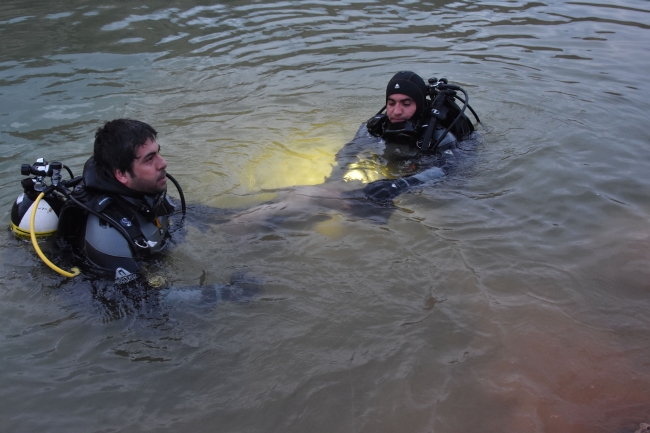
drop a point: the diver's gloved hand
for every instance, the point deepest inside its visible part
(387, 189)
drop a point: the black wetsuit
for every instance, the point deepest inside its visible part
(112, 226)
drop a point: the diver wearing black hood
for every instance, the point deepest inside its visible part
(420, 127)
(411, 107)
(119, 213)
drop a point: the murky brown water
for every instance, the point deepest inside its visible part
(511, 296)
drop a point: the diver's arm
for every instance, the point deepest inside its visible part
(387, 189)
(349, 153)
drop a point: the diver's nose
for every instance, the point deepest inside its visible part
(162, 164)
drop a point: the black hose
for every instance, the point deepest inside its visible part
(180, 192)
(69, 171)
(460, 114)
(72, 182)
(63, 189)
(102, 217)
(433, 121)
(470, 108)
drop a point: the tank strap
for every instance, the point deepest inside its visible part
(127, 219)
(121, 215)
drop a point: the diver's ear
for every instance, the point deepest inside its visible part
(122, 177)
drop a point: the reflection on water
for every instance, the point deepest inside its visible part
(511, 295)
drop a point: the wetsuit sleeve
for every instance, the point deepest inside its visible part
(384, 190)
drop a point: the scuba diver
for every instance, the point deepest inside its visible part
(120, 212)
(115, 217)
(115, 214)
(419, 131)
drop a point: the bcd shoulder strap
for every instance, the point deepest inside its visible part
(125, 217)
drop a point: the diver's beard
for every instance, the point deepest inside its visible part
(148, 188)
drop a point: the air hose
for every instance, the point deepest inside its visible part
(74, 271)
(180, 192)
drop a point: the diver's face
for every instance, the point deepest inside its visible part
(400, 108)
(148, 170)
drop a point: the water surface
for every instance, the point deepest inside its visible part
(510, 296)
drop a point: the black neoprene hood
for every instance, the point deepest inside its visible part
(410, 84)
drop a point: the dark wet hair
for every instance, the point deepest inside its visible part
(117, 142)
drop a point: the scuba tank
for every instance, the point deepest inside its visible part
(41, 202)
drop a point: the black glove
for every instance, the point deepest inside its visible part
(387, 189)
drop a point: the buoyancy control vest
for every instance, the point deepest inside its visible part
(112, 226)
